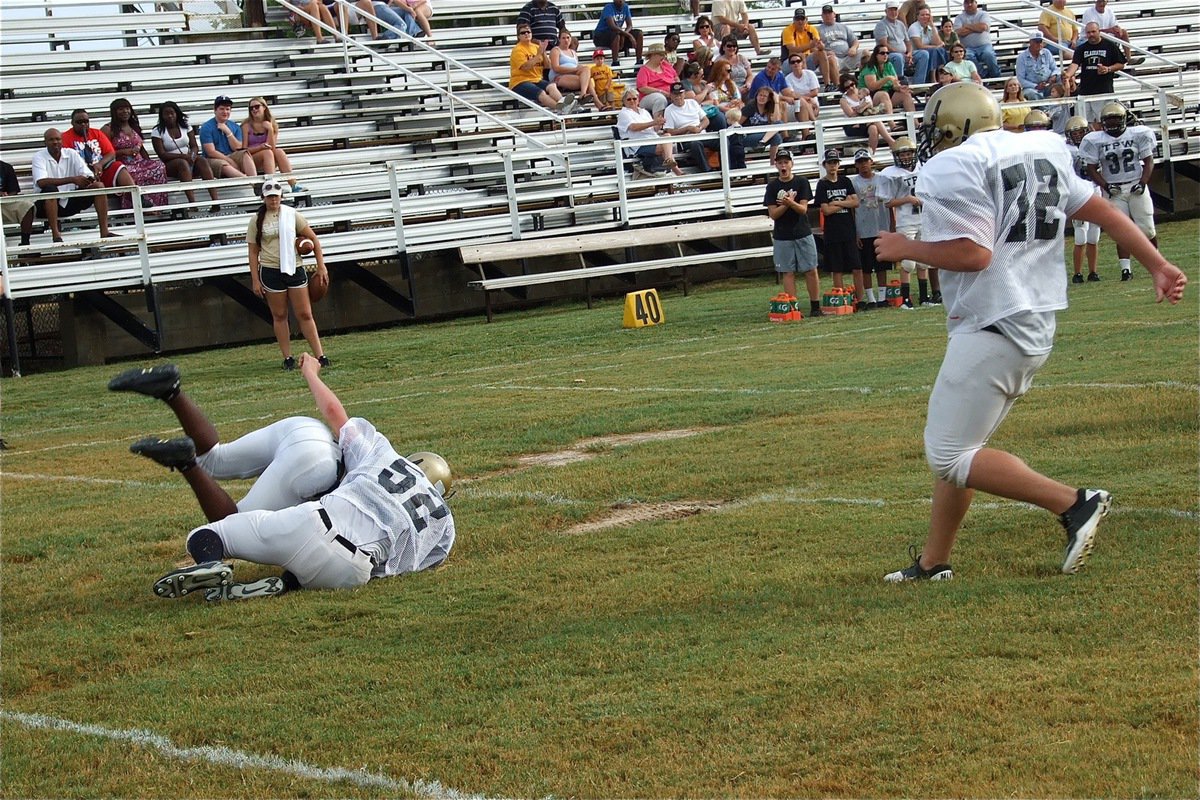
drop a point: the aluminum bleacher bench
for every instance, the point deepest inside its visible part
(483, 255)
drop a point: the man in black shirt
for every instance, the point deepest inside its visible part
(1097, 61)
(15, 211)
(545, 19)
(836, 199)
(787, 199)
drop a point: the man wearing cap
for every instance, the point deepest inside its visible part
(787, 198)
(732, 19)
(60, 170)
(893, 33)
(615, 30)
(685, 116)
(974, 29)
(1057, 26)
(840, 41)
(1037, 70)
(836, 198)
(221, 142)
(607, 89)
(800, 38)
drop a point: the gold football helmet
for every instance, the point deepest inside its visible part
(1037, 120)
(436, 470)
(955, 112)
(905, 152)
(1112, 118)
(1077, 128)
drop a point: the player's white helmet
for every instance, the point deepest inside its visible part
(1112, 118)
(1077, 128)
(955, 112)
(905, 152)
(1037, 120)
(436, 470)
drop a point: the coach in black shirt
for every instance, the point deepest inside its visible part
(1096, 61)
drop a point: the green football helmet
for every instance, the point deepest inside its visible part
(955, 112)
(436, 470)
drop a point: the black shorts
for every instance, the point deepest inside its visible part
(74, 206)
(866, 257)
(841, 257)
(856, 131)
(605, 38)
(275, 281)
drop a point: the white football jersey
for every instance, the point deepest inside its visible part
(387, 506)
(1119, 158)
(1012, 194)
(901, 183)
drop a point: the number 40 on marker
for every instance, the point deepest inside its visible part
(642, 309)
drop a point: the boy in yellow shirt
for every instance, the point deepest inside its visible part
(607, 90)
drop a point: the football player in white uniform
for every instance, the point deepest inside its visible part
(1120, 159)
(1087, 234)
(387, 516)
(899, 193)
(294, 459)
(995, 208)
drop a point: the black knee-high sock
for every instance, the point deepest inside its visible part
(205, 545)
(905, 291)
(923, 283)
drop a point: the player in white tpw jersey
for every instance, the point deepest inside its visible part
(1087, 234)
(1120, 159)
(387, 516)
(898, 191)
(995, 208)
(294, 459)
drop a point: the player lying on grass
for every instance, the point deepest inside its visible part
(386, 517)
(995, 205)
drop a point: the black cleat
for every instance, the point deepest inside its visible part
(1080, 521)
(1093, 277)
(915, 572)
(323, 361)
(1077, 279)
(161, 382)
(209, 575)
(174, 453)
(289, 363)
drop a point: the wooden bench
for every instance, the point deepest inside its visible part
(483, 255)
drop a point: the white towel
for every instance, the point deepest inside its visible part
(287, 240)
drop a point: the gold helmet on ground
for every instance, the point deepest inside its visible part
(1077, 128)
(1036, 120)
(955, 112)
(436, 470)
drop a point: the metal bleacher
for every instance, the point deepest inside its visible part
(405, 148)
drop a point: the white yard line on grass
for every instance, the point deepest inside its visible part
(95, 481)
(236, 758)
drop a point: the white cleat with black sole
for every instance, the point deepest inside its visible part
(209, 575)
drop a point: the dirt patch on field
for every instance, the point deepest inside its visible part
(625, 514)
(587, 448)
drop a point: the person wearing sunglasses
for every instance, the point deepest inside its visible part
(740, 70)
(527, 64)
(260, 132)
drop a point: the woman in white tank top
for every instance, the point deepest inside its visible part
(175, 145)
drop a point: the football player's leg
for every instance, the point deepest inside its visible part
(214, 501)
(193, 421)
(305, 466)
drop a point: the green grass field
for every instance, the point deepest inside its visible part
(667, 577)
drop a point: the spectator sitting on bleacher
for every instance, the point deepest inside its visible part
(698, 89)
(685, 116)
(348, 15)
(654, 80)
(1037, 70)
(1096, 62)
(892, 33)
(97, 152)
(949, 37)
(568, 74)
(1060, 34)
(771, 77)
(762, 109)
(840, 42)
(221, 143)
(924, 38)
(725, 92)
(635, 122)
(732, 19)
(801, 92)
(1013, 110)
(801, 38)
(858, 103)
(604, 79)
(175, 145)
(959, 67)
(974, 28)
(704, 36)
(527, 63)
(420, 11)
(316, 9)
(15, 212)
(1107, 20)
(59, 170)
(399, 17)
(260, 133)
(544, 19)
(615, 31)
(740, 71)
(672, 55)
(879, 76)
(125, 133)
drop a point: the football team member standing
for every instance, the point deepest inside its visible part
(871, 217)
(387, 517)
(899, 195)
(275, 271)
(836, 198)
(1120, 159)
(294, 459)
(1087, 234)
(787, 200)
(995, 207)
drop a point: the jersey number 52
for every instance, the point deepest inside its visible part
(399, 478)
(1044, 227)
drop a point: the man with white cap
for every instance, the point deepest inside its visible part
(840, 41)
(1037, 70)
